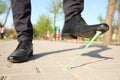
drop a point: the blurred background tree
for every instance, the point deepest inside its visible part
(118, 10)
(43, 25)
(56, 8)
(3, 7)
(108, 20)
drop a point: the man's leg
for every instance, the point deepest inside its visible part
(21, 15)
(74, 25)
(72, 7)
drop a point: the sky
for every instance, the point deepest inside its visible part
(92, 9)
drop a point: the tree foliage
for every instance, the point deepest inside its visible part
(55, 9)
(43, 25)
(100, 18)
(3, 6)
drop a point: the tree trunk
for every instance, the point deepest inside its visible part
(6, 16)
(54, 26)
(118, 35)
(108, 20)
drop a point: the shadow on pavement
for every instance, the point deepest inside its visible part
(36, 56)
(89, 63)
(94, 53)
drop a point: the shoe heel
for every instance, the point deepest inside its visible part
(68, 36)
(31, 54)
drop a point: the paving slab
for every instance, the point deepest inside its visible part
(50, 57)
(56, 76)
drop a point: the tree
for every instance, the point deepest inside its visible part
(55, 9)
(7, 14)
(100, 18)
(43, 25)
(108, 20)
(3, 7)
(118, 10)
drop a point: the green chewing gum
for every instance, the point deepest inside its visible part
(68, 67)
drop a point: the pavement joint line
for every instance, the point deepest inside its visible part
(9, 64)
(20, 74)
(3, 77)
(37, 69)
(75, 75)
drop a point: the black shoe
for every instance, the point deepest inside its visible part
(23, 51)
(77, 27)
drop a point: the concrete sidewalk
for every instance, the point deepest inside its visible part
(98, 63)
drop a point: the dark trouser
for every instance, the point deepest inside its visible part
(72, 7)
(21, 16)
(22, 12)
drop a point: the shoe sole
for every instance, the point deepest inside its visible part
(68, 36)
(87, 34)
